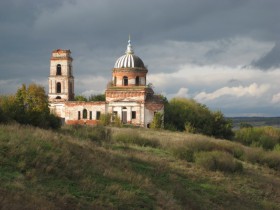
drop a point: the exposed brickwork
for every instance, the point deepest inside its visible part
(128, 97)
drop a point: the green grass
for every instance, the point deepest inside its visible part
(124, 168)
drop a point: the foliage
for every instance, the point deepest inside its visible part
(265, 137)
(66, 169)
(135, 138)
(96, 134)
(245, 125)
(105, 119)
(217, 160)
(184, 153)
(98, 97)
(29, 106)
(80, 98)
(186, 114)
(157, 121)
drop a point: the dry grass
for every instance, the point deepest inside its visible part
(70, 169)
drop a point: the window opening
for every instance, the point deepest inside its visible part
(98, 115)
(125, 81)
(79, 115)
(133, 114)
(84, 114)
(137, 81)
(58, 69)
(115, 81)
(58, 87)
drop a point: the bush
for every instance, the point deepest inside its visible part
(202, 145)
(157, 121)
(217, 160)
(188, 115)
(254, 155)
(265, 137)
(183, 153)
(277, 148)
(272, 160)
(97, 133)
(135, 138)
(105, 119)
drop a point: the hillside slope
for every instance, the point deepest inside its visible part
(97, 168)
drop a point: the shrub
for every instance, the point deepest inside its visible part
(97, 133)
(277, 148)
(135, 138)
(254, 155)
(202, 145)
(272, 160)
(265, 137)
(217, 160)
(183, 153)
(157, 121)
(105, 119)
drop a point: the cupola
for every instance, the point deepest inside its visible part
(129, 69)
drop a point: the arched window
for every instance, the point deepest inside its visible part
(79, 115)
(58, 97)
(125, 81)
(115, 81)
(137, 81)
(58, 69)
(58, 87)
(84, 114)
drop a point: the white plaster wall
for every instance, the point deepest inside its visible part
(130, 106)
(142, 81)
(149, 115)
(131, 81)
(72, 111)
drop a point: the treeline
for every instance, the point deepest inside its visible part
(28, 106)
(183, 114)
(97, 97)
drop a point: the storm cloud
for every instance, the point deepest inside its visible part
(191, 47)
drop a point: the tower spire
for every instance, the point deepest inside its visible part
(129, 49)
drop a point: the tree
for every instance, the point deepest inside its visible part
(98, 97)
(157, 121)
(187, 115)
(80, 98)
(29, 106)
(222, 127)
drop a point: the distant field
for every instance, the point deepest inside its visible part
(256, 121)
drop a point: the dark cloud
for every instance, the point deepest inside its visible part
(271, 60)
(96, 32)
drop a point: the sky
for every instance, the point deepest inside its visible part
(222, 53)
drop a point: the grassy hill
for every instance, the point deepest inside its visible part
(123, 168)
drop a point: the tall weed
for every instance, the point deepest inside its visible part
(218, 161)
(134, 138)
(265, 137)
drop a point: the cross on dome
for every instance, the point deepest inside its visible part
(129, 49)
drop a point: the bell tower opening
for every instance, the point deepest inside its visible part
(58, 87)
(58, 69)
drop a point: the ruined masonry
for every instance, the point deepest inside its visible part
(128, 96)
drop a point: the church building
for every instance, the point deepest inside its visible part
(127, 96)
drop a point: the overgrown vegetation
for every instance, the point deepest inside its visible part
(80, 167)
(187, 115)
(28, 106)
(266, 137)
(97, 97)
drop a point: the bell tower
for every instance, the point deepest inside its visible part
(61, 80)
